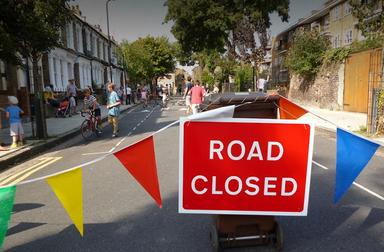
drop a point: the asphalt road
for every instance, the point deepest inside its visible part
(120, 216)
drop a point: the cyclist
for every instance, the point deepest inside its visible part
(90, 103)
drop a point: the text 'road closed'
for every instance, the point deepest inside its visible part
(245, 166)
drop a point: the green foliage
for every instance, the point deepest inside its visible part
(31, 27)
(339, 54)
(369, 43)
(336, 55)
(243, 77)
(148, 57)
(370, 17)
(206, 24)
(207, 78)
(306, 55)
(380, 114)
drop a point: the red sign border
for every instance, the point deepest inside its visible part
(304, 212)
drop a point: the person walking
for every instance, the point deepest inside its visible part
(13, 112)
(261, 84)
(197, 93)
(187, 96)
(113, 109)
(128, 91)
(72, 92)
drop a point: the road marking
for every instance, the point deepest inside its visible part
(20, 176)
(320, 165)
(356, 184)
(368, 191)
(95, 153)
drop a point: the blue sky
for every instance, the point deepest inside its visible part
(131, 19)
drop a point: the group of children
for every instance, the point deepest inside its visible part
(13, 113)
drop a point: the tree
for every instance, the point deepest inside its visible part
(149, 58)
(224, 25)
(370, 21)
(33, 28)
(306, 54)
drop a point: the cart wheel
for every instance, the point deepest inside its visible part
(214, 238)
(279, 242)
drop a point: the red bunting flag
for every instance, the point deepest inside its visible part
(139, 159)
(289, 110)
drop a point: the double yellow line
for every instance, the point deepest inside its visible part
(13, 179)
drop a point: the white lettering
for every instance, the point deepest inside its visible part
(268, 186)
(239, 185)
(213, 150)
(214, 191)
(255, 146)
(251, 185)
(281, 151)
(229, 150)
(193, 184)
(283, 183)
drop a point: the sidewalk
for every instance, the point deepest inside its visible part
(59, 129)
(351, 121)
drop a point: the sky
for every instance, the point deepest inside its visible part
(131, 19)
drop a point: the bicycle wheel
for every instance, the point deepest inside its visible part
(86, 130)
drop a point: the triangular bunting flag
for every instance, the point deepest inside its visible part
(289, 110)
(139, 159)
(68, 188)
(222, 112)
(352, 155)
(7, 195)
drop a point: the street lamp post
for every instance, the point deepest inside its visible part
(109, 41)
(253, 75)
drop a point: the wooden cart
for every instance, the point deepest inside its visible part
(246, 230)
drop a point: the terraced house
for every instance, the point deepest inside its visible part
(349, 86)
(83, 57)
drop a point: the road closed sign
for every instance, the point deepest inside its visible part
(245, 166)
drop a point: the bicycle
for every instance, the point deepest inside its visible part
(89, 126)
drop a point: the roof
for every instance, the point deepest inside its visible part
(314, 16)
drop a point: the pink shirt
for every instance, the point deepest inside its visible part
(197, 94)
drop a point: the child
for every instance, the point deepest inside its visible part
(113, 109)
(90, 103)
(13, 114)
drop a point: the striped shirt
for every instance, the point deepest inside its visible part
(89, 101)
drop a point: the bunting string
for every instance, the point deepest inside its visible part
(328, 121)
(257, 99)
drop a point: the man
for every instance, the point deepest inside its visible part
(197, 93)
(187, 96)
(72, 92)
(128, 92)
(261, 84)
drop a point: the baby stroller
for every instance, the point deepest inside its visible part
(63, 109)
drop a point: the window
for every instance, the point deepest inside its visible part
(336, 13)
(348, 37)
(55, 71)
(336, 41)
(3, 78)
(62, 73)
(347, 9)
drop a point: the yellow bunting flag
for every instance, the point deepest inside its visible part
(68, 188)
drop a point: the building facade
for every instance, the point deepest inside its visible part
(82, 57)
(334, 20)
